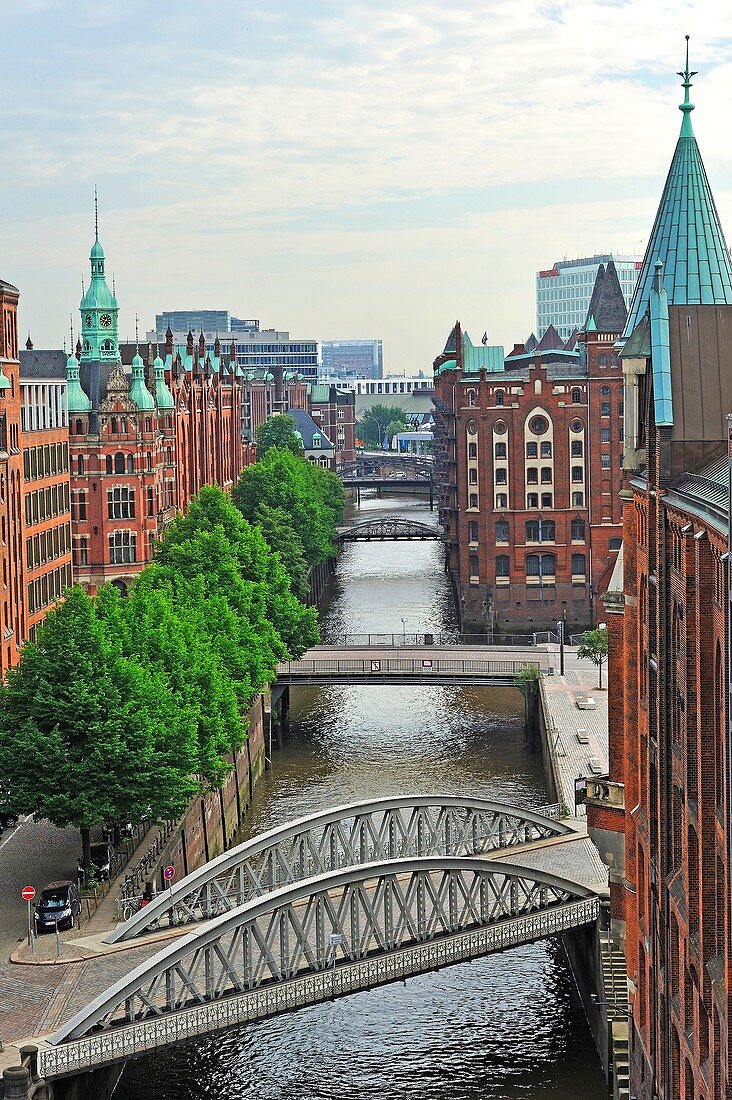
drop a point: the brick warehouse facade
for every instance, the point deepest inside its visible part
(527, 452)
(662, 817)
(35, 527)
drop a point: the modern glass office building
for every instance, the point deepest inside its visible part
(352, 359)
(563, 291)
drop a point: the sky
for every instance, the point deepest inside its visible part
(342, 169)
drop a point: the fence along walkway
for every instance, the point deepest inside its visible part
(399, 665)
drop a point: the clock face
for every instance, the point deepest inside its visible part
(88, 320)
(105, 320)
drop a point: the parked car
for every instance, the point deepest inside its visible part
(103, 857)
(8, 820)
(59, 905)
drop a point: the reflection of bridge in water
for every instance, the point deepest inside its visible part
(335, 903)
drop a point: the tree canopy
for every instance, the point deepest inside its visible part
(373, 426)
(278, 431)
(311, 497)
(594, 647)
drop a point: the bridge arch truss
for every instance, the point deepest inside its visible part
(335, 934)
(345, 836)
(391, 528)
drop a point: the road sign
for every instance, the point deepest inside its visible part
(169, 873)
(28, 893)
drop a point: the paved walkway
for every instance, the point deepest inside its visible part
(571, 758)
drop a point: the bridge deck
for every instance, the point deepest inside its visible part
(408, 664)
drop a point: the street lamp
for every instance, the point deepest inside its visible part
(379, 425)
(404, 630)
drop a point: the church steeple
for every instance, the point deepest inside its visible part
(98, 307)
(687, 237)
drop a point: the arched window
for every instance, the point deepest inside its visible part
(474, 565)
(473, 531)
(500, 397)
(502, 530)
(471, 397)
(123, 425)
(119, 463)
(473, 477)
(148, 424)
(472, 450)
(501, 500)
(604, 391)
(603, 360)
(473, 500)
(113, 425)
(80, 464)
(503, 565)
(169, 422)
(576, 397)
(130, 464)
(501, 476)
(79, 427)
(543, 566)
(578, 530)
(109, 464)
(500, 450)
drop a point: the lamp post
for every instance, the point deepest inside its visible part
(404, 630)
(379, 425)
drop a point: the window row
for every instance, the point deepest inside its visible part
(535, 530)
(47, 545)
(53, 458)
(48, 588)
(42, 504)
(537, 450)
(540, 566)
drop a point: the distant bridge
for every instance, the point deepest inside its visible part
(388, 528)
(339, 902)
(392, 472)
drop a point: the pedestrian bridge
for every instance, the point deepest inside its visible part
(388, 529)
(334, 904)
(393, 664)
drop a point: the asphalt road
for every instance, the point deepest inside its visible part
(32, 854)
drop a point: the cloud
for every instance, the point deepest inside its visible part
(278, 158)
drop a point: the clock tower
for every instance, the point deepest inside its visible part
(99, 309)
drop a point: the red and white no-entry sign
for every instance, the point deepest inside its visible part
(28, 893)
(169, 873)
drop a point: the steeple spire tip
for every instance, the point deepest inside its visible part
(687, 106)
(96, 214)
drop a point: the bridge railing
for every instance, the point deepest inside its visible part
(428, 638)
(407, 667)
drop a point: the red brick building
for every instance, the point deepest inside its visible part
(662, 817)
(527, 458)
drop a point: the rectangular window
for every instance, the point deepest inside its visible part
(546, 450)
(605, 462)
(501, 476)
(604, 435)
(120, 503)
(532, 450)
(546, 500)
(605, 408)
(500, 450)
(577, 448)
(532, 475)
(546, 475)
(578, 473)
(532, 500)
(122, 547)
(578, 500)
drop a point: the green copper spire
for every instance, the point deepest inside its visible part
(139, 393)
(687, 237)
(98, 307)
(77, 398)
(687, 106)
(163, 396)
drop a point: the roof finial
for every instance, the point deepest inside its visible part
(137, 333)
(96, 214)
(687, 106)
(71, 328)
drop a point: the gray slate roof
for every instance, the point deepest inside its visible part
(607, 305)
(43, 365)
(307, 429)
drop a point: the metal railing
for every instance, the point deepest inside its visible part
(407, 668)
(428, 638)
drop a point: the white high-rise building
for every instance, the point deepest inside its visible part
(563, 291)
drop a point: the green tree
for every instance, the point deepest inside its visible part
(373, 425)
(170, 637)
(265, 593)
(278, 431)
(395, 427)
(283, 539)
(595, 647)
(87, 735)
(311, 497)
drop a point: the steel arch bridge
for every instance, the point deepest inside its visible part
(345, 836)
(388, 528)
(352, 929)
(373, 466)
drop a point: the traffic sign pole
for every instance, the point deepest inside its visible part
(28, 893)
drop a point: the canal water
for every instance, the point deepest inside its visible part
(508, 1027)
